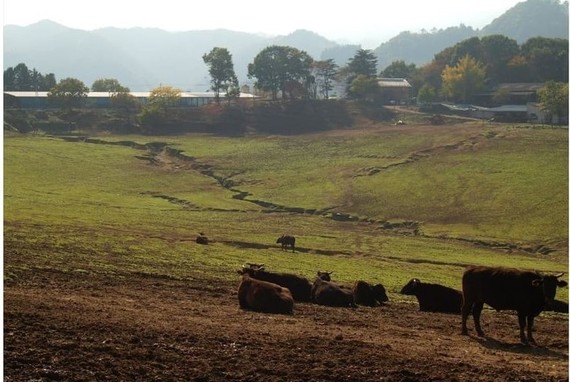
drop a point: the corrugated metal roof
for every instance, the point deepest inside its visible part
(516, 87)
(20, 94)
(394, 83)
(510, 108)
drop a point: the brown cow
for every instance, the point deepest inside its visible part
(202, 239)
(368, 295)
(299, 286)
(324, 292)
(286, 241)
(263, 296)
(558, 306)
(526, 292)
(434, 297)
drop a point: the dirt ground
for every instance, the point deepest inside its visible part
(79, 327)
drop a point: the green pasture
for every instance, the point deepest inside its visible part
(99, 208)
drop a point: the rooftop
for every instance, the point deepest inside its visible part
(394, 83)
(20, 94)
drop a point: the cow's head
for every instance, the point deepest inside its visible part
(549, 284)
(325, 276)
(410, 287)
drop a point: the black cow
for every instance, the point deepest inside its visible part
(286, 241)
(526, 292)
(202, 239)
(263, 296)
(299, 286)
(434, 297)
(558, 306)
(324, 292)
(368, 295)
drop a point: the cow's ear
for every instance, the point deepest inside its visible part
(561, 283)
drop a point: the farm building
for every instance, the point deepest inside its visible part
(395, 90)
(39, 100)
(509, 93)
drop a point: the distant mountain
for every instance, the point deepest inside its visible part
(532, 18)
(143, 58)
(53, 48)
(545, 18)
(419, 48)
(308, 41)
(176, 58)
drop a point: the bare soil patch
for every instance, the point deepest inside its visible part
(85, 327)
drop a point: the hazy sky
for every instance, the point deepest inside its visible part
(366, 22)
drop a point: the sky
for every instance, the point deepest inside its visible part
(364, 22)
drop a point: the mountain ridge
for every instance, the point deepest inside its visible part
(142, 58)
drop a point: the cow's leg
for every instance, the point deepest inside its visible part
(465, 310)
(529, 325)
(477, 308)
(522, 325)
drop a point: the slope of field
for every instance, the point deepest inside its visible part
(103, 279)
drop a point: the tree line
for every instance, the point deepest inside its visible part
(455, 74)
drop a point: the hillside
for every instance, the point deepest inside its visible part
(143, 58)
(103, 278)
(545, 18)
(419, 48)
(532, 18)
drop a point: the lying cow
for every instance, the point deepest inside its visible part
(558, 306)
(324, 292)
(434, 297)
(286, 241)
(263, 296)
(202, 239)
(299, 286)
(526, 292)
(368, 295)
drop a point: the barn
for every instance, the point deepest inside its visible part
(395, 91)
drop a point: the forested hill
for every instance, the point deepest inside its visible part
(532, 18)
(143, 58)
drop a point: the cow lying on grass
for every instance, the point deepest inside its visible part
(299, 286)
(434, 297)
(526, 292)
(324, 292)
(368, 295)
(558, 306)
(263, 296)
(202, 239)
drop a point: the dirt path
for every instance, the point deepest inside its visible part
(64, 327)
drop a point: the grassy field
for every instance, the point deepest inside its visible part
(471, 193)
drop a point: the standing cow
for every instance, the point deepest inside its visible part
(434, 297)
(263, 296)
(299, 286)
(526, 292)
(286, 241)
